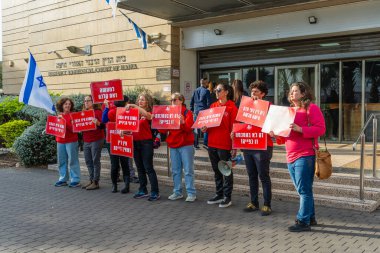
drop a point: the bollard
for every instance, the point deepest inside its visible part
(361, 192)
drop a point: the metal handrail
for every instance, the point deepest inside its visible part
(372, 117)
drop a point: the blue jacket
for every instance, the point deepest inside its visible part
(201, 100)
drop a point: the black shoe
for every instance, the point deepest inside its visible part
(197, 147)
(114, 188)
(313, 222)
(250, 208)
(299, 227)
(125, 190)
(215, 200)
(134, 180)
(226, 202)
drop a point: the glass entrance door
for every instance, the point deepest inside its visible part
(225, 77)
(286, 75)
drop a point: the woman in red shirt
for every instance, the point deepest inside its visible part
(220, 145)
(67, 148)
(180, 142)
(93, 144)
(143, 149)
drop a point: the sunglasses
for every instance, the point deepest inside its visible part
(87, 100)
(174, 99)
(218, 90)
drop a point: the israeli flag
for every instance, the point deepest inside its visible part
(113, 4)
(140, 34)
(34, 91)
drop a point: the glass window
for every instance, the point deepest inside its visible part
(330, 99)
(351, 99)
(266, 74)
(249, 76)
(372, 94)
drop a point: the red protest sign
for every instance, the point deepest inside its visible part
(127, 120)
(210, 118)
(83, 121)
(166, 117)
(252, 112)
(121, 145)
(111, 129)
(248, 137)
(56, 126)
(111, 90)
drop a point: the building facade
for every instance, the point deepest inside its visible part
(77, 42)
(332, 45)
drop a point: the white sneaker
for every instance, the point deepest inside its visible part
(191, 198)
(175, 196)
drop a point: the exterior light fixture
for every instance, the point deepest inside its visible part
(87, 50)
(154, 38)
(11, 63)
(313, 20)
(333, 44)
(218, 32)
(279, 49)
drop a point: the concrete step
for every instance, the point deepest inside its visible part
(322, 188)
(277, 194)
(283, 195)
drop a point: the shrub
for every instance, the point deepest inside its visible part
(11, 130)
(9, 106)
(132, 94)
(34, 148)
(34, 114)
(78, 101)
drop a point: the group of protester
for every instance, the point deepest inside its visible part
(300, 147)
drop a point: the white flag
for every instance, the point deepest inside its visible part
(34, 91)
(113, 4)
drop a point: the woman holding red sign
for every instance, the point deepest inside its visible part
(300, 145)
(180, 142)
(143, 149)
(257, 163)
(93, 144)
(109, 115)
(67, 148)
(219, 147)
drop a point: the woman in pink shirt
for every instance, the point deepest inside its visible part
(300, 145)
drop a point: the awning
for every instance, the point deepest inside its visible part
(195, 12)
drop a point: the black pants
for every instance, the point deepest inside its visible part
(116, 161)
(224, 185)
(257, 163)
(143, 156)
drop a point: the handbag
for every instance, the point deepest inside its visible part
(323, 164)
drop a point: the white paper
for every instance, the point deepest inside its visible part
(279, 119)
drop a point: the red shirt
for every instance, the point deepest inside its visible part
(184, 136)
(97, 134)
(144, 133)
(219, 137)
(70, 136)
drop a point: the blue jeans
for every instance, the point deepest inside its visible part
(68, 158)
(197, 133)
(257, 164)
(302, 174)
(183, 157)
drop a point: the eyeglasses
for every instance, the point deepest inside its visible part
(218, 90)
(174, 99)
(87, 100)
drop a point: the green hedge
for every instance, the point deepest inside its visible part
(35, 148)
(11, 130)
(9, 106)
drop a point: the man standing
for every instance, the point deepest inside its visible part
(200, 100)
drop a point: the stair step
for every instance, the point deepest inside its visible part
(283, 195)
(286, 184)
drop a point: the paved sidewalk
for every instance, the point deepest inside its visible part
(37, 217)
